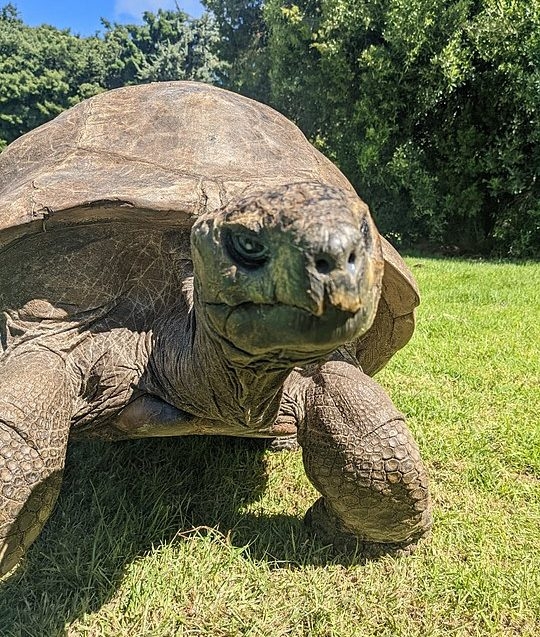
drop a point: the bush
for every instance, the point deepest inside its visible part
(429, 106)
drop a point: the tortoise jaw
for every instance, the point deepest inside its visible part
(290, 334)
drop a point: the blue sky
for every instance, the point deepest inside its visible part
(83, 16)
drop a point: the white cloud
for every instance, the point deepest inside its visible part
(135, 8)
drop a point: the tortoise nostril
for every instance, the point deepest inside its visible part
(351, 262)
(324, 265)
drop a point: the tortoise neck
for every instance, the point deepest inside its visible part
(244, 387)
(210, 378)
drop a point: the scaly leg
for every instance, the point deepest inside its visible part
(360, 456)
(36, 398)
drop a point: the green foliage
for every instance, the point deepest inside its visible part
(242, 45)
(169, 45)
(42, 72)
(188, 56)
(430, 107)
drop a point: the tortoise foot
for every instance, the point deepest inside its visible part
(327, 527)
(285, 443)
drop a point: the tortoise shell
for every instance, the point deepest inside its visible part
(165, 153)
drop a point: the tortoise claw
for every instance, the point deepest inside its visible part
(328, 529)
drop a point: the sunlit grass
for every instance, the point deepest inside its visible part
(202, 536)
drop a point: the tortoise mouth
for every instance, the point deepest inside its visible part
(287, 331)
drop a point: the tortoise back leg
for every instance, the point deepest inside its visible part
(360, 456)
(36, 398)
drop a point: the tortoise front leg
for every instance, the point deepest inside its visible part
(360, 455)
(36, 398)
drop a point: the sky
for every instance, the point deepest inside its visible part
(83, 16)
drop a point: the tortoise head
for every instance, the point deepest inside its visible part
(295, 271)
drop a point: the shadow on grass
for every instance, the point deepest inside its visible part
(120, 501)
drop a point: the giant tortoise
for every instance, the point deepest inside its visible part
(176, 259)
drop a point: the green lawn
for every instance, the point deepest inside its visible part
(174, 537)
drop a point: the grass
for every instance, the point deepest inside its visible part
(204, 537)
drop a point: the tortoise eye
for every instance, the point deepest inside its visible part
(245, 249)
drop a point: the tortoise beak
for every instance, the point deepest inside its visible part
(342, 271)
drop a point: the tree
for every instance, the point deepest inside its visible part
(169, 45)
(429, 106)
(42, 72)
(242, 46)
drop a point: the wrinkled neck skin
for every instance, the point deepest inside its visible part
(201, 373)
